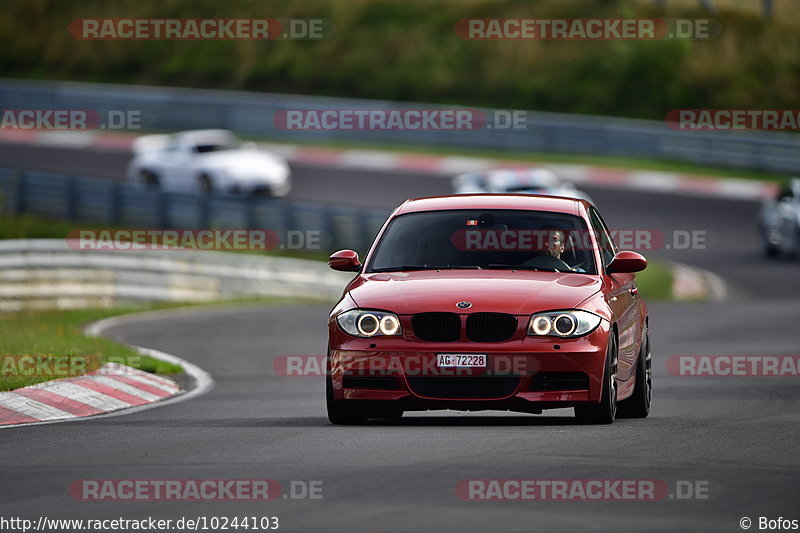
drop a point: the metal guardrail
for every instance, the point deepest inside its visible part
(249, 113)
(120, 204)
(47, 273)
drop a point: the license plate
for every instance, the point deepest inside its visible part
(461, 360)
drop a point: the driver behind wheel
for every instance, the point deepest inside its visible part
(555, 244)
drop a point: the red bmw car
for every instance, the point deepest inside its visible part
(502, 302)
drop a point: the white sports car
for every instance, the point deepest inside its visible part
(207, 161)
(779, 222)
(516, 180)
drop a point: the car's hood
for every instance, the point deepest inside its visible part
(520, 292)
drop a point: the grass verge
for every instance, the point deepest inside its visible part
(655, 282)
(58, 336)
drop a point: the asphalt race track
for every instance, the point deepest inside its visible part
(737, 435)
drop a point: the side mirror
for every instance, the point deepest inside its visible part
(625, 262)
(345, 260)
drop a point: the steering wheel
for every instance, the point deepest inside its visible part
(582, 265)
(547, 261)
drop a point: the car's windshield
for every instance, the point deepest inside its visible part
(485, 239)
(525, 188)
(205, 147)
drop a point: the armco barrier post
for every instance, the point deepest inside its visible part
(20, 190)
(250, 204)
(204, 208)
(115, 201)
(163, 210)
(71, 186)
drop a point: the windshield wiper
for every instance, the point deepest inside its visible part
(425, 267)
(501, 266)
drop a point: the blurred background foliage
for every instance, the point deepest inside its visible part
(407, 50)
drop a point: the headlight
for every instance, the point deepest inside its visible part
(367, 323)
(277, 172)
(564, 324)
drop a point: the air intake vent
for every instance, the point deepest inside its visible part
(370, 382)
(464, 387)
(560, 381)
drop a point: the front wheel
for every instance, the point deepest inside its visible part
(638, 404)
(606, 410)
(148, 180)
(338, 412)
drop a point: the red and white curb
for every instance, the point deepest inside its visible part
(696, 284)
(643, 180)
(112, 390)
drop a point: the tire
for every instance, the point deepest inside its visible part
(606, 410)
(770, 252)
(206, 184)
(149, 180)
(340, 414)
(638, 404)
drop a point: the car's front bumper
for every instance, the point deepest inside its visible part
(528, 374)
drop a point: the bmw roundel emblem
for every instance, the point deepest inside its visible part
(464, 305)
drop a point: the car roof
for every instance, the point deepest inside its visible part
(531, 202)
